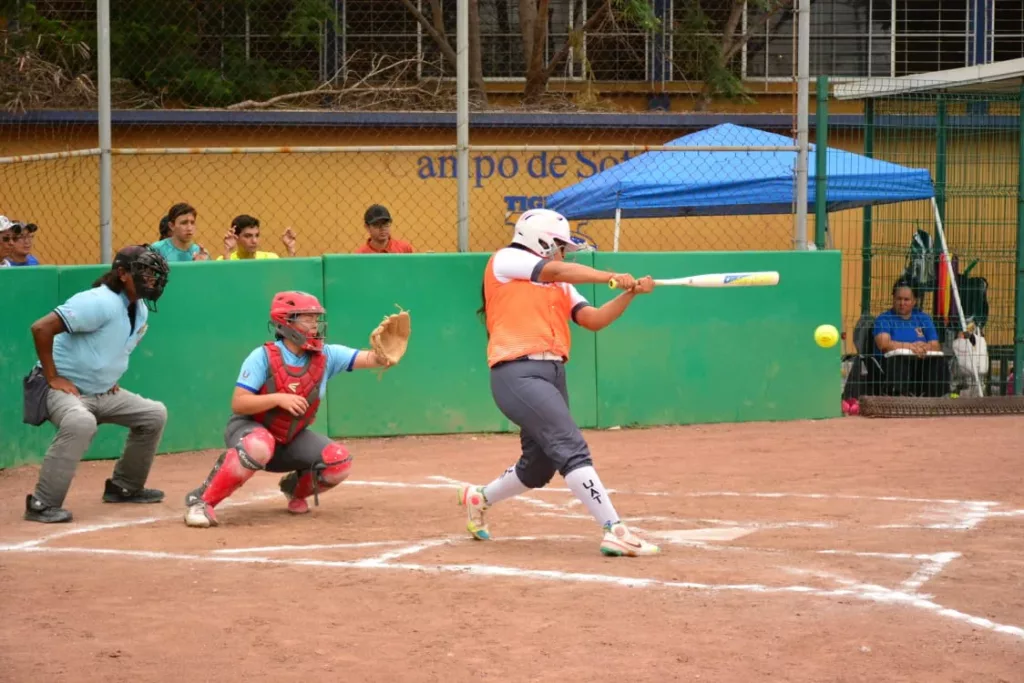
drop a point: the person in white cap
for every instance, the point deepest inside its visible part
(20, 246)
(6, 237)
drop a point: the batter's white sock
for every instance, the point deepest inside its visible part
(504, 487)
(587, 486)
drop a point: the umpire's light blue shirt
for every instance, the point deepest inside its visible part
(93, 354)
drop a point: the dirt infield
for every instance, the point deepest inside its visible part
(841, 550)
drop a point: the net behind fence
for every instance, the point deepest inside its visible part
(969, 143)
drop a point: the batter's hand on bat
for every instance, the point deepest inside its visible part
(644, 285)
(624, 281)
(296, 405)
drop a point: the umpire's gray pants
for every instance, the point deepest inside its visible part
(76, 419)
(533, 394)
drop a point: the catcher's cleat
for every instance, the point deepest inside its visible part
(472, 498)
(199, 514)
(619, 541)
(298, 506)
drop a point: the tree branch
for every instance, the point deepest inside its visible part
(760, 21)
(563, 52)
(729, 30)
(439, 38)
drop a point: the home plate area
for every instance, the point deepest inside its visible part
(840, 547)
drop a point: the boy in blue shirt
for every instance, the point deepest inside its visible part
(275, 401)
(181, 220)
(83, 347)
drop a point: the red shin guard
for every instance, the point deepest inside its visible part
(237, 465)
(337, 462)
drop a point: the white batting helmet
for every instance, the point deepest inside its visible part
(543, 231)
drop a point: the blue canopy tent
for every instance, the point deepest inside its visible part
(663, 184)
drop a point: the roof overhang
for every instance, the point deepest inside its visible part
(1007, 75)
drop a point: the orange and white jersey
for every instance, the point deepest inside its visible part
(526, 317)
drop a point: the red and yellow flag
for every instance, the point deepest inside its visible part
(944, 290)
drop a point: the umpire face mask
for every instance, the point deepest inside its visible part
(149, 274)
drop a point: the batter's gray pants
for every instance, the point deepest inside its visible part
(533, 394)
(76, 419)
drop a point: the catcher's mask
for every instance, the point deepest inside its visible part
(285, 310)
(149, 271)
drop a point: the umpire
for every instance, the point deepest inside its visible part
(83, 347)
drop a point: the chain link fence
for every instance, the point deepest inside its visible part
(321, 193)
(217, 105)
(969, 142)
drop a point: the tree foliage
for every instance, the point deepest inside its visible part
(190, 53)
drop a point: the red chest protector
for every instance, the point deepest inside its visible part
(282, 378)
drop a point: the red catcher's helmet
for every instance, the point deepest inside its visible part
(284, 310)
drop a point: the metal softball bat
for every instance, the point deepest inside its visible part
(763, 278)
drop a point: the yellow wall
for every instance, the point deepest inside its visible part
(323, 196)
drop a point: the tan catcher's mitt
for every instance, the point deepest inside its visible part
(391, 338)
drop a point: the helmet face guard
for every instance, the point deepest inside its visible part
(308, 341)
(148, 270)
(149, 273)
(284, 320)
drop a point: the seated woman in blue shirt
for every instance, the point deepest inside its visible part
(905, 326)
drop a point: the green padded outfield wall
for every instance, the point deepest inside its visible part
(679, 355)
(684, 355)
(28, 294)
(442, 384)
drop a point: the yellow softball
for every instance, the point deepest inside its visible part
(826, 336)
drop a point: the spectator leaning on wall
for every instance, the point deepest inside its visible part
(180, 246)
(377, 220)
(83, 347)
(243, 240)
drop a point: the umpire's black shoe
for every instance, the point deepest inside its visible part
(38, 511)
(115, 494)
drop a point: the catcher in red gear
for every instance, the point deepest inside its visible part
(276, 399)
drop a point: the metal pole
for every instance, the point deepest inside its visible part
(618, 229)
(940, 156)
(103, 68)
(952, 281)
(866, 225)
(1018, 326)
(821, 163)
(940, 172)
(803, 96)
(462, 139)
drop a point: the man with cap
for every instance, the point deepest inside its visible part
(83, 347)
(20, 246)
(377, 220)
